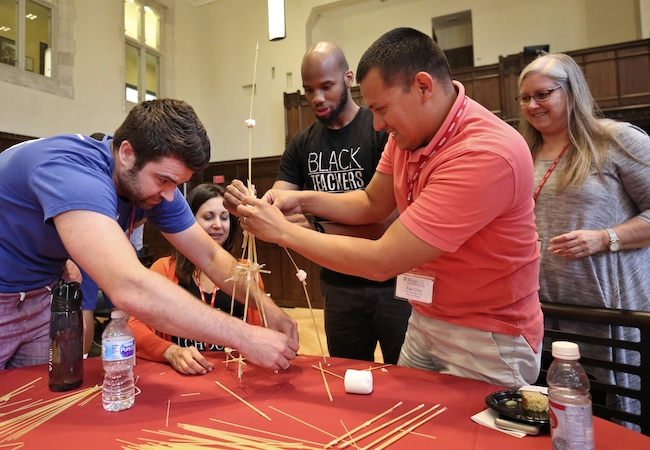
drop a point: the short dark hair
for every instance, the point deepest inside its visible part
(400, 54)
(165, 128)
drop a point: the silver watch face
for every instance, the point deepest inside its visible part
(614, 246)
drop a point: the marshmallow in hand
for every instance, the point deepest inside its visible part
(250, 123)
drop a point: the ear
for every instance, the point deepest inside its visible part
(424, 84)
(349, 78)
(126, 154)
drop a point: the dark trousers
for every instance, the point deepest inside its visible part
(356, 318)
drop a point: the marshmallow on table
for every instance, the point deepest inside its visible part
(358, 381)
(250, 123)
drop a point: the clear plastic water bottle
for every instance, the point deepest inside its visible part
(569, 400)
(118, 359)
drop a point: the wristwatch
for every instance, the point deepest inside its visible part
(614, 241)
(317, 226)
(314, 223)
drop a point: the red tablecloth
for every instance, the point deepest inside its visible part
(298, 392)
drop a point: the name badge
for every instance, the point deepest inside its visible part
(415, 286)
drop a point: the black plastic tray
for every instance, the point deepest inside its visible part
(497, 401)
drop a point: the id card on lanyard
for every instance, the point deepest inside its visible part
(415, 285)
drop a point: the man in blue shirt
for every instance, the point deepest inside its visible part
(72, 197)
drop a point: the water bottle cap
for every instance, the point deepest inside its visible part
(117, 314)
(565, 350)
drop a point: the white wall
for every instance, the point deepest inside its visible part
(96, 105)
(214, 52)
(499, 27)
(644, 13)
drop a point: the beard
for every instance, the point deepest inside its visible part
(336, 112)
(132, 188)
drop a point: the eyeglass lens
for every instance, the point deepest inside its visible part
(540, 96)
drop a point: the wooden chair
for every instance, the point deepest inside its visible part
(602, 316)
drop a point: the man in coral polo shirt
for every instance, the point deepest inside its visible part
(464, 248)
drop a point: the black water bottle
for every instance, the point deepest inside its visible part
(66, 338)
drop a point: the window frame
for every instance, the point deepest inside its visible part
(144, 49)
(61, 81)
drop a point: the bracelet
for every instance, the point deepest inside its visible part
(317, 226)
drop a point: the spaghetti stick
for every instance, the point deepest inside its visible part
(243, 401)
(265, 432)
(14, 428)
(19, 390)
(90, 397)
(327, 371)
(7, 405)
(169, 401)
(327, 386)
(311, 310)
(250, 116)
(260, 302)
(407, 431)
(15, 446)
(220, 438)
(390, 422)
(370, 369)
(347, 432)
(365, 424)
(401, 427)
(302, 421)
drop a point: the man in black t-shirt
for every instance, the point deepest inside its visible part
(338, 153)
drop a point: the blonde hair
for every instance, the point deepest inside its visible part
(589, 134)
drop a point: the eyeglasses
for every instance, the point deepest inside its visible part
(539, 97)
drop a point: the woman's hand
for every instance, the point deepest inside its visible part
(579, 243)
(187, 360)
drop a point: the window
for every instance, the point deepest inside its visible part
(26, 35)
(37, 45)
(142, 53)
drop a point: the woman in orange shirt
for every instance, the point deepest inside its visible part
(184, 355)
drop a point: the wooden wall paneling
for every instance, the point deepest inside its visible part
(600, 70)
(10, 139)
(633, 71)
(487, 91)
(482, 84)
(510, 67)
(307, 116)
(292, 115)
(356, 95)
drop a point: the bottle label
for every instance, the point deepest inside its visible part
(571, 426)
(118, 350)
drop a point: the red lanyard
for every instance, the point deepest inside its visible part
(198, 283)
(437, 146)
(549, 172)
(131, 222)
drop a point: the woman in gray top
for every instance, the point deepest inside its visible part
(592, 204)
